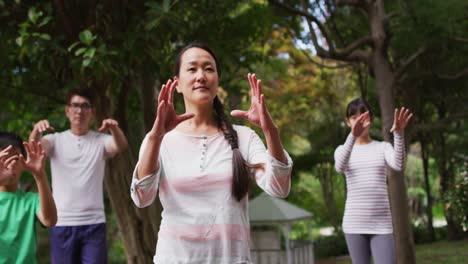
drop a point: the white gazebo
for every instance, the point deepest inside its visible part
(269, 216)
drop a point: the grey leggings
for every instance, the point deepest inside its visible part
(360, 247)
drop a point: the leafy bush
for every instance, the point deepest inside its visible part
(421, 234)
(458, 199)
(328, 246)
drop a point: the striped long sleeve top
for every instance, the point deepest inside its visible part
(367, 208)
(201, 221)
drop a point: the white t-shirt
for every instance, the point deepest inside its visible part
(201, 221)
(77, 165)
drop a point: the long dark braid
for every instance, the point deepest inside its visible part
(240, 172)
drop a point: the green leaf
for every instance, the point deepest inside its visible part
(80, 51)
(166, 5)
(33, 15)
(72, 46)
(86, 62)
(44, 36)
(90, 53)
(86, 37)
(45, 21)
(19, 41)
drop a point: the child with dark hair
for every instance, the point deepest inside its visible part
(367, 221)
(19, 210)
(201, 166)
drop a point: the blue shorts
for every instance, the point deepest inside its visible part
(78, 244)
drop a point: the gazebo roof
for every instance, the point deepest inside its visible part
(265, 209)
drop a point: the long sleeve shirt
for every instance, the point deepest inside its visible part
(367, 208)
(201, 221)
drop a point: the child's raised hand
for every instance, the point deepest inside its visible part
(35, 162)
(401, 119)
(361, 124)
(7, 164)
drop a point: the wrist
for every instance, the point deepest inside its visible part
(37, 131)
(40, 176)
(155, 138)
(271, 132)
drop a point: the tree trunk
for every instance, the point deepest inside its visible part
(385, 80)
(447, 179)
(138, 227)
(427, 186)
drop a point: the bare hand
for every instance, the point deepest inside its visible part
(401, 119)
(166, 117)
(7, 163)
(258, 113)
(361, 124)
(43, 126)
(108, 124)
(35, 162)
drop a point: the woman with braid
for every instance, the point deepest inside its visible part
(200, 165)
(367, 221)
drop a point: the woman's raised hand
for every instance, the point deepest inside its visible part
(401, 119)
(166, 117)
(258, 113)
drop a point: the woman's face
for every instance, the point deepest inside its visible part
(198, 76)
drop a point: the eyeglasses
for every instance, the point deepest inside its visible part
(84, 106)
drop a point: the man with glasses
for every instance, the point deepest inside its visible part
(77, 158)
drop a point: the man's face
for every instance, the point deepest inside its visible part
(79, 111)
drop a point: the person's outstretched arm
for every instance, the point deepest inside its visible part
(166, 120)
(38, 130)
(343, 152)
(259, 115)
(35, 163)
(147, 172)
(119, 141)
(276, 178)
(395, 157)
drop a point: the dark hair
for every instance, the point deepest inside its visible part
(358, 105)
(195, 45)
(83, 92)
(7, 139)
(240, 171)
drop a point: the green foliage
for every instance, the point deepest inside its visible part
(421, 234)
(31, 39)
(458, 199)
(334, 245)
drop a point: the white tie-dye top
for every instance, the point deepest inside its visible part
(201, 222)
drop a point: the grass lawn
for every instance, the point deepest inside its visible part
(446, 252)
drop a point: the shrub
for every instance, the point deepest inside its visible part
(328, 246)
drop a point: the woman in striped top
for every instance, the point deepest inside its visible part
(199, 164)
(367, 221)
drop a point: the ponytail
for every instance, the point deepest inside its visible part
(240, 172)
